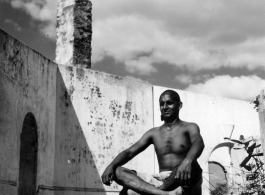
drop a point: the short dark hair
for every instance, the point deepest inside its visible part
(173, 94)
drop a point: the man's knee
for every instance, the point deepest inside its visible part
(122, 171)
(119, 172)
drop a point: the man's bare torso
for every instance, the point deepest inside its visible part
(171, 146)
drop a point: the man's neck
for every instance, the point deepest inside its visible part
(171, 123)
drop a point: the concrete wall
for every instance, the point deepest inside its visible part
(85, 118)
(27, 84)
(216, 117)
(98, 116)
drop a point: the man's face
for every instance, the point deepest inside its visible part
(168, 106)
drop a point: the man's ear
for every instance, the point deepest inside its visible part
(180, 105)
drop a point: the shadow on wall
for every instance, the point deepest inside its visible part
(75, 170)
(77, 136)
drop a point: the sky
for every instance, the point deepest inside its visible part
(203, 46)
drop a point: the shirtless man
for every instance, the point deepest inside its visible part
(177, 144)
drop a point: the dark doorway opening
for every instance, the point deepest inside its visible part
(28, 156)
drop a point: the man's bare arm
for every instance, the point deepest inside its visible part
(126, 156)
(197, 142)
(184, 170)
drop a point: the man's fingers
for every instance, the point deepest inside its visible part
(187, 178)
(111, 177)
(105, 180)
(183, 179)
(189, 175)
(177, 175)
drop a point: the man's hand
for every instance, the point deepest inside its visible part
(184, 172)
(108, 175)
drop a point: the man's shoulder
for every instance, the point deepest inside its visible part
(190, 125)
(154, 129)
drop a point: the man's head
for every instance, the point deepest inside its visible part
(170, 105)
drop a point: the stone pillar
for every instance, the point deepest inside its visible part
(262, 120)
(74, 33)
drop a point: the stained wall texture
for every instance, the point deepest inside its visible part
(27, 85)
(98, 116)
(85, 118)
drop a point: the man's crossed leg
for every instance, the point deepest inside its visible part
(133, 184)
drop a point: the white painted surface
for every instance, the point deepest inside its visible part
(91, 117)
(27, 84)
(65, 32)
(102, 116)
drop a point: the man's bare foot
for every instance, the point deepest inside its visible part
(177, 191)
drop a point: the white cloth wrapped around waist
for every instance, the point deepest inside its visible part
(155, 179)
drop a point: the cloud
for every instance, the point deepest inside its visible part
(139, 42)
(185, 79)
(142, 66)
(43, 11)
(189, 78)
(199, 18)
(243, 87)
(13, 23)
(192, 34)
(195, 34)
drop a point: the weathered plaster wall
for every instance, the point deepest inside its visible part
(98, 116)
(27, 84)
(85, 118)
(216, 117)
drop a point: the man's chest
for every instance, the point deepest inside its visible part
(172, 142)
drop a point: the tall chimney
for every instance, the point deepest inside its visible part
(74, 33)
